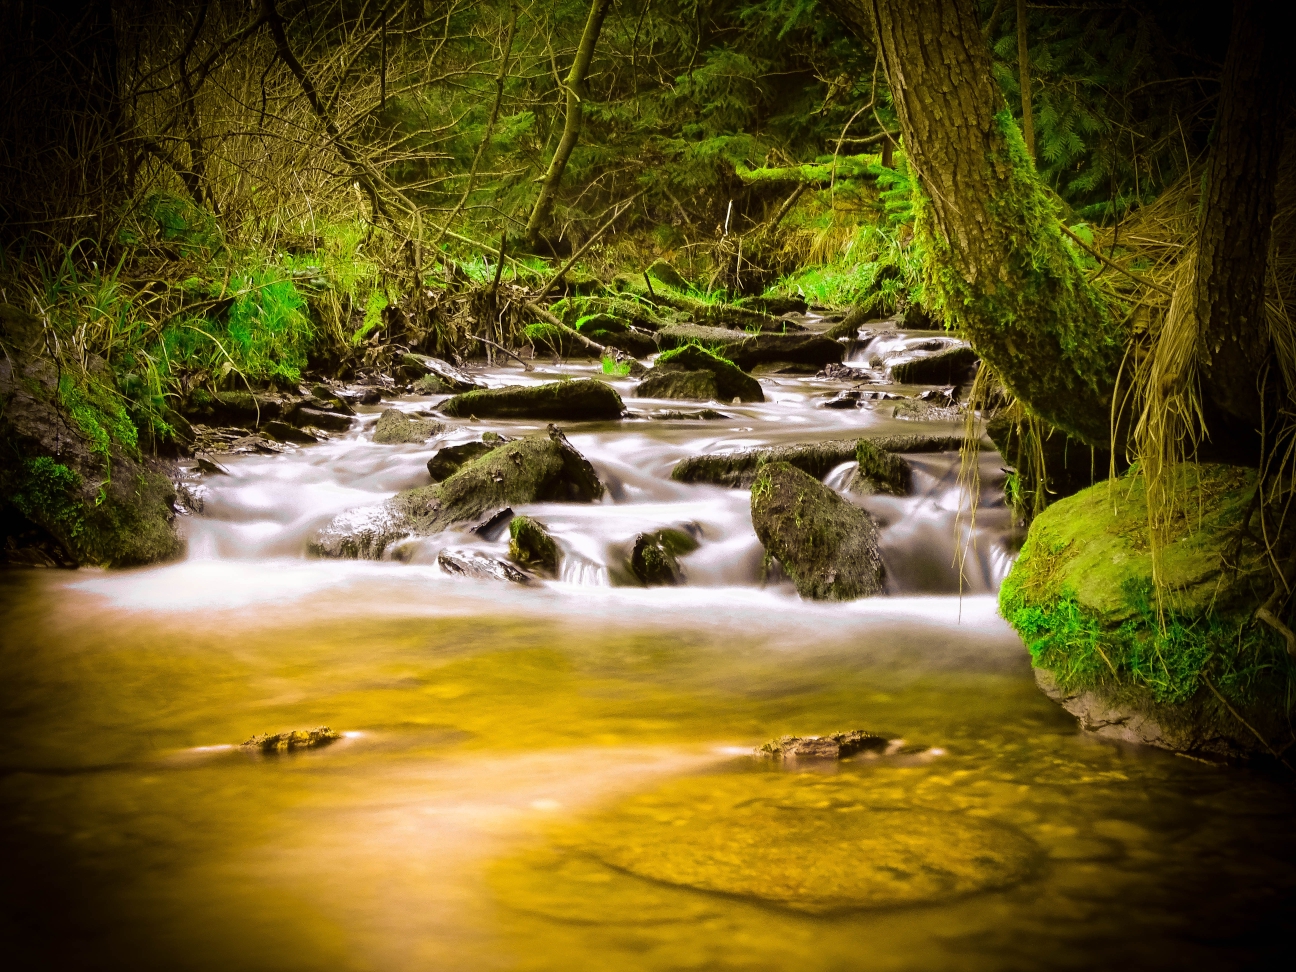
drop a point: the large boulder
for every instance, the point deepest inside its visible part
(697, 386)
(539, 468)
(829, 548)
(731, 381)
(583, 399)
(1188, 667)
(949, 366)
(450, 459)
(75, 488)
(747, 350)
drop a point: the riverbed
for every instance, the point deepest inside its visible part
(561, 776)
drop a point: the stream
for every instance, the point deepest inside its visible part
(560, 776)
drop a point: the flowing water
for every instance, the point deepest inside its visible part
(560, 777)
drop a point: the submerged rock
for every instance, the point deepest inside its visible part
(730, 380)
(585, 399)
(879, 471)
(654, 561)
(829, 548)
(748, 350)
(698, 386)
(531, 547)
(396, 427)
(286, 742)
(1197, 672)
(450, 459)
(839, 745)
(539, 468)
(479, 566)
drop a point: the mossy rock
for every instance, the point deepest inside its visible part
(586, 399)
(747, 350)
(879, 472)
(654, 561)
(731, 381)
(606, 323)
(531, 547)
(74, 488)
(450, 459)
(663, 272)
(539, 468)
(1082, 597)
(396, 427)
(829, 548)
(698, 386)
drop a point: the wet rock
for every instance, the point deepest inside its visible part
(784, 368)
(663, 272)
(920, 410)
(632, 342)
(829, 548)
(450, 459)
(531, 547)
(307, 415)
(539, 468)
(431, 385)
(702, 414)
(478, 566)
(654, 561)
(582, 400)
(839, 372)
(748, 350)
(324, 398)
(361, 395)
(731, 382)
(879, 471)
(838, 745)
(691, 385)
(418, 366)
(396, 427)
(283, 432)
(286, 742)
(360, 534)
(845, 399)
(211, 468)
(493, 525)
(738, 470)
(255, 443)
(954, 366)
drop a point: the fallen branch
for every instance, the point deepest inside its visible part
(500, 347)
(1115, 266)
(548, 318)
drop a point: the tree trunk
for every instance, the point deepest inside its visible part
(576, 92)
(1237, 214)
(1024, 81)
(999, 268)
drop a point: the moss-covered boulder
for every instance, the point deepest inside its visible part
(450, 459)
(1188, 675)
(698, 386)
(654, 561)
(829, 548)
(396, 427)
(531, 547)
(879, 471)
(586, 399)
(539, 468)
(731, 381)
(75, 488)
(747, 350)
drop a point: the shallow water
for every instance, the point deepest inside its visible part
(560, 777)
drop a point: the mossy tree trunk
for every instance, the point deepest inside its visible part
(1000, 269)
(576, 92)
(1238, 208)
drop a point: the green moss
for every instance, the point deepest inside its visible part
(531, 546)
(1081, 595)
(49, 493)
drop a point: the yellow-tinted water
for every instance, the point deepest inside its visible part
(536, 781)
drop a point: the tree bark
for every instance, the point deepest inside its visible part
(1238, 208)
(999, 268)
(576, 92)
